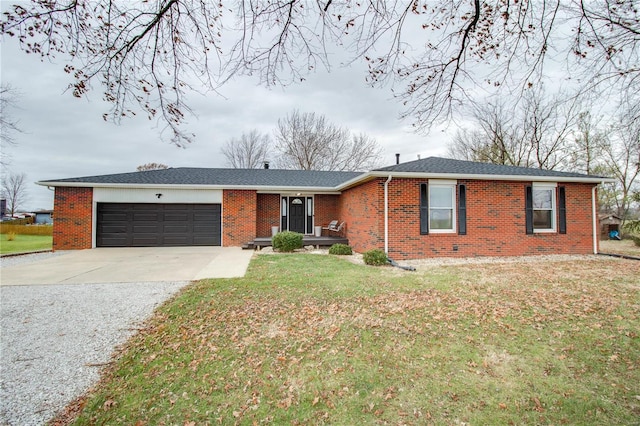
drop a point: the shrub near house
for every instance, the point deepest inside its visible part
(287, 241)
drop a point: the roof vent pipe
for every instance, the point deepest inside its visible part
(397, 158)
(266, 165)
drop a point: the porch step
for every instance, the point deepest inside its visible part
(307, 240)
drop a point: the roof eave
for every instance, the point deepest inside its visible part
(348, 184)
(422, 175)
(264, 188)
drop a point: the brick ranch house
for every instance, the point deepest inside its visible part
(419, 209)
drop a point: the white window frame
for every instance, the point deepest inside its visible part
(545, 186)
(449, 184)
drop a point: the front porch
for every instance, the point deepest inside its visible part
(307, 240)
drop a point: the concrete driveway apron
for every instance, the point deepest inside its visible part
(61, 316)
(131, 264)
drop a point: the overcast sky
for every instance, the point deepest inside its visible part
(67, 137)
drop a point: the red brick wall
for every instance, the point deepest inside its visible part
(239, 217)
(73, 218)
(495, 222)
(326, 209)
(268, 214)
(362, 208)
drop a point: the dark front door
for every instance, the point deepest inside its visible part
(296, 214)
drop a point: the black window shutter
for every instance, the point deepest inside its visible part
(309, 215)
(562, 211)
(529, 209)
(283, 221)
(462, 209)
(424, 209)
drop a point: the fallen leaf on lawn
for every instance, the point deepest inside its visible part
(539, 408)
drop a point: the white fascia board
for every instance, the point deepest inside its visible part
(302, 191)
(125, 185)
(416, 175)
(360, 179)
(260, 189)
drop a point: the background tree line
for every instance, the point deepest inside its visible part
(558, 133)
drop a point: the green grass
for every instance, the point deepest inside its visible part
(309, 339)
(626, 246)
(24, 243)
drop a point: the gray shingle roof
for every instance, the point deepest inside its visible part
(328, 180)
(437, 165)
(222, 177)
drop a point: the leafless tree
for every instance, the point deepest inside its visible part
(547, 123)
(439, 55)
(494, 138)
(8, 126)
(587, 148)
(14, 190)
(151, 166)
(307, 141)
(622, 161)
(250, 151)
(532, 133)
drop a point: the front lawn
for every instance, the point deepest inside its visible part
(25, 243)
(626, 247)
(311, 339)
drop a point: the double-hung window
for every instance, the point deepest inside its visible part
(438, 207)
(543, 207)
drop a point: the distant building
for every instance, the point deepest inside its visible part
(3, 207)
(609, 222)
(44, 217)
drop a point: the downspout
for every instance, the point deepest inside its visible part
(595, 219)
(386, 215)
(386, 227)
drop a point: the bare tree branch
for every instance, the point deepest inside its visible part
(439, 56)
(307, 141)
(250, 151)
(14, 190)
(535, 132)
(8, 126)
(151, 166)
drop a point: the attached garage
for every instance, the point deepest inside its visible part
(155, 225)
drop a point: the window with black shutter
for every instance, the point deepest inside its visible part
(562, 211)
(529, 209)
(462, 210)
(424, 209)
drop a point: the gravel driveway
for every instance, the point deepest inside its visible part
(55, 338)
